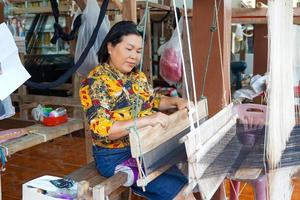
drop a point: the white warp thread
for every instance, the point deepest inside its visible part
(280, 93)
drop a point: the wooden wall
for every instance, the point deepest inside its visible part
(201, 23)
(260, 42)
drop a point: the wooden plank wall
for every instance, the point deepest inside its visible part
(260, 42)
(201, 23)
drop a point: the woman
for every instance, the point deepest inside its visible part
(109, 98)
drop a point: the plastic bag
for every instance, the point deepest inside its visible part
(170, 64)
(88, 22)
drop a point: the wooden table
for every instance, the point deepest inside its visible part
(38, 134)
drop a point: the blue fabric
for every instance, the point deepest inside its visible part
(164, 187)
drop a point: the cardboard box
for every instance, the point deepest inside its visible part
(41, 189)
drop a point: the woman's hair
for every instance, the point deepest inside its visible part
(115, 36)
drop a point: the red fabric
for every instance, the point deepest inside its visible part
(170, 65)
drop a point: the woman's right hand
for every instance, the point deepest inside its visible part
(159, 118)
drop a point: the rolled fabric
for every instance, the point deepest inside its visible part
(129, 167)
(11, 134)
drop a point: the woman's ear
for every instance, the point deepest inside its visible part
(109, 47)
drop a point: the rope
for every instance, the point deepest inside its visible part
(213, 29)
(140, 160)
(58, 30)
(191, 61)
(82, 57)
(183, 64)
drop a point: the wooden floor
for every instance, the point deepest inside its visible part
(60, 157)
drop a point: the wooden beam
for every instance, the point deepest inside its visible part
(36, 10)
(1, 12)
(114, 5)
(130, 12)
(256, 15)
(151, 137)
(66, 101)
(142, 5)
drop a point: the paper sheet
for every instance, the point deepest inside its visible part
(13, 74)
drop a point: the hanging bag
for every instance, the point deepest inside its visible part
(170, 64)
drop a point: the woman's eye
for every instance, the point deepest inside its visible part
(139, 52)
(128, 49)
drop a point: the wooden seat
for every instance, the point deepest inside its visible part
(113, 185)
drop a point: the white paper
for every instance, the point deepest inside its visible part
(13, 72)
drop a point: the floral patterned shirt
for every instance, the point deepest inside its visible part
(107, 95)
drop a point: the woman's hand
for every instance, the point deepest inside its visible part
(181, 103)
(159, 118)
(167, 103)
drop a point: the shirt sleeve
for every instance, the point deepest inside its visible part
(156, 101)
(97, 105)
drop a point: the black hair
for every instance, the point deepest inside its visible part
(115, 36)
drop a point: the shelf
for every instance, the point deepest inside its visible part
(142, 4)
(256, 15)
(36, 10)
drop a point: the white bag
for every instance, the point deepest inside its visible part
(88, 22)
(170, 64)
(6, 108)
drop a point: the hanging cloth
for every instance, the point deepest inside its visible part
(89, 19)
(58, 30)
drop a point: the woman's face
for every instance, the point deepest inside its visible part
(127, 54)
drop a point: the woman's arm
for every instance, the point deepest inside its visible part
(172, 102)
(120, 128)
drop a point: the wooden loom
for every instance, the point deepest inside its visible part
(220, 124)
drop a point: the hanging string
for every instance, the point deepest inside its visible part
(191, 62)
(184, 69)
(213, 29)
(140, 160)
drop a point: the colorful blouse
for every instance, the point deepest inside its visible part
(107, 95)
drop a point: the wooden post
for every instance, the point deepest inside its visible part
(129, 11)
(1, 12)
(216, 89)
(260, 47)
(147, 64)
(77, 112)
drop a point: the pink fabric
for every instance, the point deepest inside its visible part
(11, 134)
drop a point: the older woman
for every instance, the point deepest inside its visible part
(109, 98)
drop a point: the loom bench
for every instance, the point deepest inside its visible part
(113, 185)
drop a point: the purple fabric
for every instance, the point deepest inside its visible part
(131, 163)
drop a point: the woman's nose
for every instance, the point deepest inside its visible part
(133, 55)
